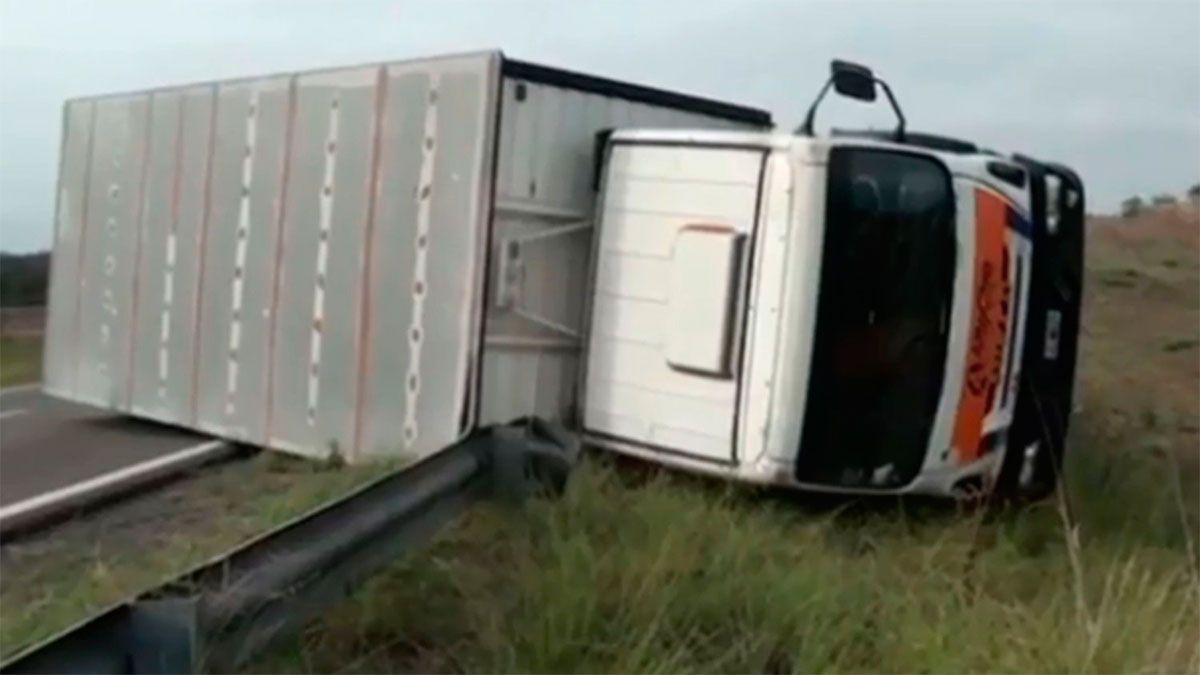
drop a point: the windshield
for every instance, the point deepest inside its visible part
(879, 349)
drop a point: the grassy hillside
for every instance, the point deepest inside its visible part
(642, 570)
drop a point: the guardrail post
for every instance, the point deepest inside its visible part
(163, 636)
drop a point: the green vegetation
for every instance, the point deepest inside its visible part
(676, 575)
(653, 571)
(23, 279)
(20, 360)
(49, 583)
(1132, 206)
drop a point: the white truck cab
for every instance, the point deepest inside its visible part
(838, 314)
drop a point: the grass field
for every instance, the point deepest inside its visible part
(20, 360)
(52, 580)
(655, 572)
(640, 570)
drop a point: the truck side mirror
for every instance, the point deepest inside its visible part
(852, 80)
(857, 82)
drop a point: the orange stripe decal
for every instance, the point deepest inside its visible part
(990, 299)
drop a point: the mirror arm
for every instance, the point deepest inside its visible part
(896, 108)
(806, 129)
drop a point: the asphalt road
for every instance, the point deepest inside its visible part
(47, 444)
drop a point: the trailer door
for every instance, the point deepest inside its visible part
(676, 226)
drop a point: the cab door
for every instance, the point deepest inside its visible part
(671, 273)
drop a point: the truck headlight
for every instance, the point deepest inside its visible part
(1053, 187)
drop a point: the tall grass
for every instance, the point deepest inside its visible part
(50, 581)
(674, 574)
(20, 360)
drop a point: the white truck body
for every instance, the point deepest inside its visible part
(379, 261)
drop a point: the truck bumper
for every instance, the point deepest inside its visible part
(1045, 393)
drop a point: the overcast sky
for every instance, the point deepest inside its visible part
(1112, 89)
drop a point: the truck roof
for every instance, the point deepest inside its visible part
(937, 145)
(533, 72)
(749, 139)
(520, 70)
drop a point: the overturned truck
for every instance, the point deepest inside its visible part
(381, 261)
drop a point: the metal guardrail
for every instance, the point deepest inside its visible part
(220, 615)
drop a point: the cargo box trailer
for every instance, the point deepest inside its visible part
(301, 261)
(379, 261)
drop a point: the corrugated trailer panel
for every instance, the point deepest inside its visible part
(174, 212)
(109, 248)
(158, 213)
(427, 254)
(461, 176)
(413, 336)
(545, 180)
(390, 303)
(316, 343)
(241, 230)
(292, 261)
(58, 373)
